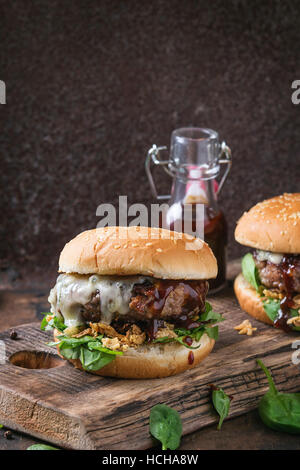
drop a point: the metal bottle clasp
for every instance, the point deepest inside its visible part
(174, 169)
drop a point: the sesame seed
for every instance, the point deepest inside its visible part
(159, 250)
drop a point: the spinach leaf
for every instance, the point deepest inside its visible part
(44, 323)
(212, 332)
(58, 324)
(271, 307)
(98, 347)
(184, 332)
(279, 411)
(1, 426)
(178, 339)
(70, 353)
(181, 340)
(164, 339)
(210, 315)
(95, 360)
(88, 358)
(88, 349)
(41, 447)
(55, 322)
(74, 342)
(250, 272)
(166, 426)
(221, 402)
(198, 334)
(206, 321)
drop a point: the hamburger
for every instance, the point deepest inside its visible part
(130, 302)
(269, 286)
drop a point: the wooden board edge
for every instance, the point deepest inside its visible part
(42, 422)
(283, 375)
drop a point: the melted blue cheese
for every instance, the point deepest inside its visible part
(269, 256)
(72, 291)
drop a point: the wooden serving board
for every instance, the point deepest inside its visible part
(77, 410)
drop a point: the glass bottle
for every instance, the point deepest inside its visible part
(194, 164)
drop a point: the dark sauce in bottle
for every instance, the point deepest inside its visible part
(215, 235)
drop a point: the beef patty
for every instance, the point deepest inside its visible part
(284, 276)
(163, 299)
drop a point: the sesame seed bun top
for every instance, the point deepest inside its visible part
(125, 251)
(272, 225)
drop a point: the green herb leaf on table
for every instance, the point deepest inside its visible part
(221, 402)
(250, 271)
(279, 411)
(41, 447)
(166, 426)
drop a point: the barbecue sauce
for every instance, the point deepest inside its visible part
(188, 340)
(286, 267)
(159, 291)
(191, 357)
(194, 300)
(153, 327)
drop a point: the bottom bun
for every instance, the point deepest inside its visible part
(249, 300)
(152, 361)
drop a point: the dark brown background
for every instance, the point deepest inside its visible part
(91, 85)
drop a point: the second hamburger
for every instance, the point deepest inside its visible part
(269, 286)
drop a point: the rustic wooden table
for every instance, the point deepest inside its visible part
(19, 306)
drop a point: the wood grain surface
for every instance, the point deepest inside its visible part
(74, 409)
